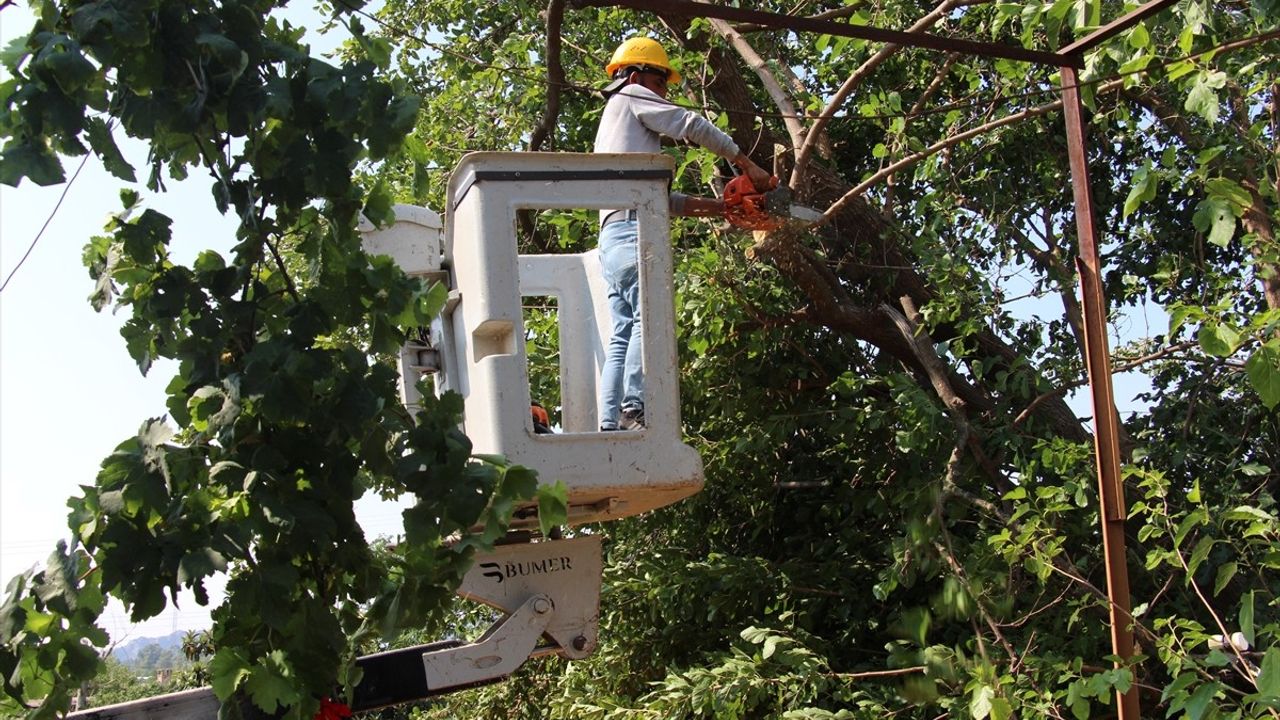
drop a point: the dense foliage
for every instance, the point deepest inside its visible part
(899, 516)
(283, 416)
(877, 536)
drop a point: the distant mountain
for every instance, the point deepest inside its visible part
(128, 651)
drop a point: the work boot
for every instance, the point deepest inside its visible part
(632, 419)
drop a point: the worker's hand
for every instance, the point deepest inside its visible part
(760, 178)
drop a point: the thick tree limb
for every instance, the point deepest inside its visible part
(1257, 220)
(555, 76)
(862, 252)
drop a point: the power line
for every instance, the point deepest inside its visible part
(32, 246)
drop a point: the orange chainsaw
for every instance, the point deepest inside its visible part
(750, 209)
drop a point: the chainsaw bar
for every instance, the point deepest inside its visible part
(777, 202)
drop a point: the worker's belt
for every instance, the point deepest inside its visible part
(618, 216)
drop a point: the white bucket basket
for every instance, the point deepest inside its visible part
(481, 338)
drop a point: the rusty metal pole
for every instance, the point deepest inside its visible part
(1098, 361)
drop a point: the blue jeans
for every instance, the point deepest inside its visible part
(622, 379)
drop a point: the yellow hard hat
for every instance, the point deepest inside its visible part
(643, 52)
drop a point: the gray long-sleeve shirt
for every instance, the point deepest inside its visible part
(635, 118)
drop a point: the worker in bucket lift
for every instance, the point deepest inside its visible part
(636, 115)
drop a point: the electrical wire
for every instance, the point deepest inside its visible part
(40, 234)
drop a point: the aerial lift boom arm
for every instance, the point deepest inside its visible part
(548, 591)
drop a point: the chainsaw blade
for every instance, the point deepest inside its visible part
(777, 202)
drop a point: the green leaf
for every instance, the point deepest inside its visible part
(1145, 182)
(226, 669)
(1139, 37)
(1080, 708)
(1217, 218)
(15, 51)
(1200, 700)
(1121, 679)
(221, 47)
(1247, 513)
(1263, 368)
(1198, 555)
(914, 624)
(1182, 682)
(269, 685)
(980, 703)
(421, 182)
(200, 563)
(1230, 191)
(1246, 618)
(770, 646)
(1269, 674)
(1218, 339)
(1225, 573)
(1254, 469)
(70, 69)
(553, 506)
(1179, 69)
(25, 158)
(1203, 97)
(519, 482)
(104, 145)
(379, 206)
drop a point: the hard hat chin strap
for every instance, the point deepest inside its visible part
(614, 86)
(622, 77)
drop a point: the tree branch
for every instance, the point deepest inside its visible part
(1053, 266)
(921, 346)
(288, 281)
(555, 76)
(819, 124)
(920, 102)
(850, 9)
(937, 147)
(1124, 367)
(786, 107)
